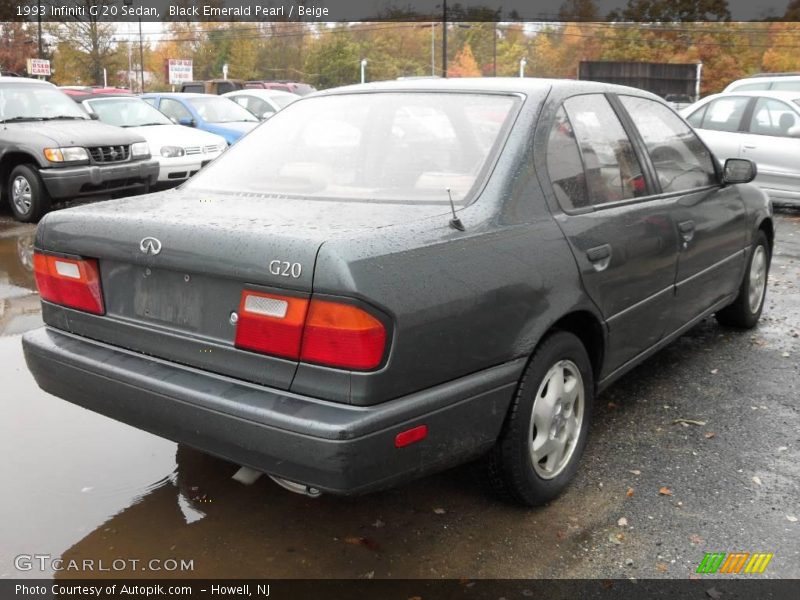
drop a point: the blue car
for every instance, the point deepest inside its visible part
(206, 112)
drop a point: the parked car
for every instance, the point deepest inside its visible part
(50, 151)
(678, 101)
(180, 151)
(81, 92)
(294, 87)
(458, 269)
(212, 86)
(760, 126)
(777, 82)
(208, 113)
(262, 103)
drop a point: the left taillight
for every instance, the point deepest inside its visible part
(69, 282)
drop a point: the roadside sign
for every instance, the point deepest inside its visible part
(179, 70)
(38, 66)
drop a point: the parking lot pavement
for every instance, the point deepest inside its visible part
(695, 451)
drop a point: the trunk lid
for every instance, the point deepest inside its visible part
(176, 303)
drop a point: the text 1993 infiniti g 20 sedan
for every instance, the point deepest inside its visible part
(385, 280)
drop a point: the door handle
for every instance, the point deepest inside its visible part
(749, 147)
(600, 257)
(687, 231)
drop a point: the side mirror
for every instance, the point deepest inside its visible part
(739, 170)
(267, 114)
(94, 116)
(187, 122)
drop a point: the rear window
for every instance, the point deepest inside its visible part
(374, 147)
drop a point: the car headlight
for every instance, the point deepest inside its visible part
(140, 149)
(71, 154)
(171, 151)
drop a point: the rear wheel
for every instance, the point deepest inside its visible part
(745, 311)
(26, 194)
(545, 431)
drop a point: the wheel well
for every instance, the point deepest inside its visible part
(7, 164)
(769, 230)
(587, 328)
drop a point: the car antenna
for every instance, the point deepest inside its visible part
(455, 222)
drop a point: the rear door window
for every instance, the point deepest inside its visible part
(773, 117)
(681, 160)
(611, 169)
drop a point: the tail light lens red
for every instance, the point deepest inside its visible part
(329, 333)
(69, 282)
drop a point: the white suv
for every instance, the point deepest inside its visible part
(789, 82)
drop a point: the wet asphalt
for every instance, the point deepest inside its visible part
(652, 496)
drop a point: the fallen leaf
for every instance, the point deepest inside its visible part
(629, 493)
(378, 524)
(791, 518)
(688, 422)
(714, 594)
(757, 480)
(415, 598)
(362, 541)
(622, 522)
(439, 511)
(665, 491)
(785, 355)
(714, 371)
(635, 472)
(662, 567)
(710, 434)
(695, 539)
(612, 406)
(560, 534)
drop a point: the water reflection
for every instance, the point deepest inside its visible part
(19, 302)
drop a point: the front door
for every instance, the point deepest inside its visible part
(709, 218)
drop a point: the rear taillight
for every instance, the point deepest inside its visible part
(329, 333)
(271, 324)
(342, 335)
(70, 282)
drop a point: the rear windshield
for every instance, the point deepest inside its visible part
(380, 146)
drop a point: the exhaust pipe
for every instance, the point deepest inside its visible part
(297, 488)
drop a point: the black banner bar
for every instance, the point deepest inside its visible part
(663, 11)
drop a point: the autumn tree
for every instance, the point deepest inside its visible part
(670, 11)
(464, 64)
(17, 45)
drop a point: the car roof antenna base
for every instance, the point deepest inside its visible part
(455, 222)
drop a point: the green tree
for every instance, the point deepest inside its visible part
(668, 11)
(333, 59)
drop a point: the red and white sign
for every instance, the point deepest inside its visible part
(179, 70)
(38, 66)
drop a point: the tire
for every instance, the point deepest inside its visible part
(27, 196)
(745, 311)
(512, 470)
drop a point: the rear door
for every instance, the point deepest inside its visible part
(710, 218)
(623, 239)
(772, 141)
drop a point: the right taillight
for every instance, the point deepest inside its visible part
(324, 332)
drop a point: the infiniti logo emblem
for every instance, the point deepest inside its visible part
(150, 245)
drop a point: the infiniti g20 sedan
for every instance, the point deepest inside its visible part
(761, 126)
(385, 280)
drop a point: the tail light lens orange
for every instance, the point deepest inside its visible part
(329, 333)
(342, 335)
(69, 282)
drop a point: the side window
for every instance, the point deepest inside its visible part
(751, 87)
(725, 114)
(772, 117)
(611, 168)
(696, 118)
(786, 86)
(174, 109)
(151, 101)
(564, 165)
(681, 160)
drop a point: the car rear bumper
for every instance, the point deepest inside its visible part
(337, 448)
(92, 180)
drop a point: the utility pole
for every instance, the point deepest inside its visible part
(363, 70)
(444, 38)
(141, 56)
(39, 26)
(494, 49)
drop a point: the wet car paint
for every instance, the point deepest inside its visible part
(80, 486)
